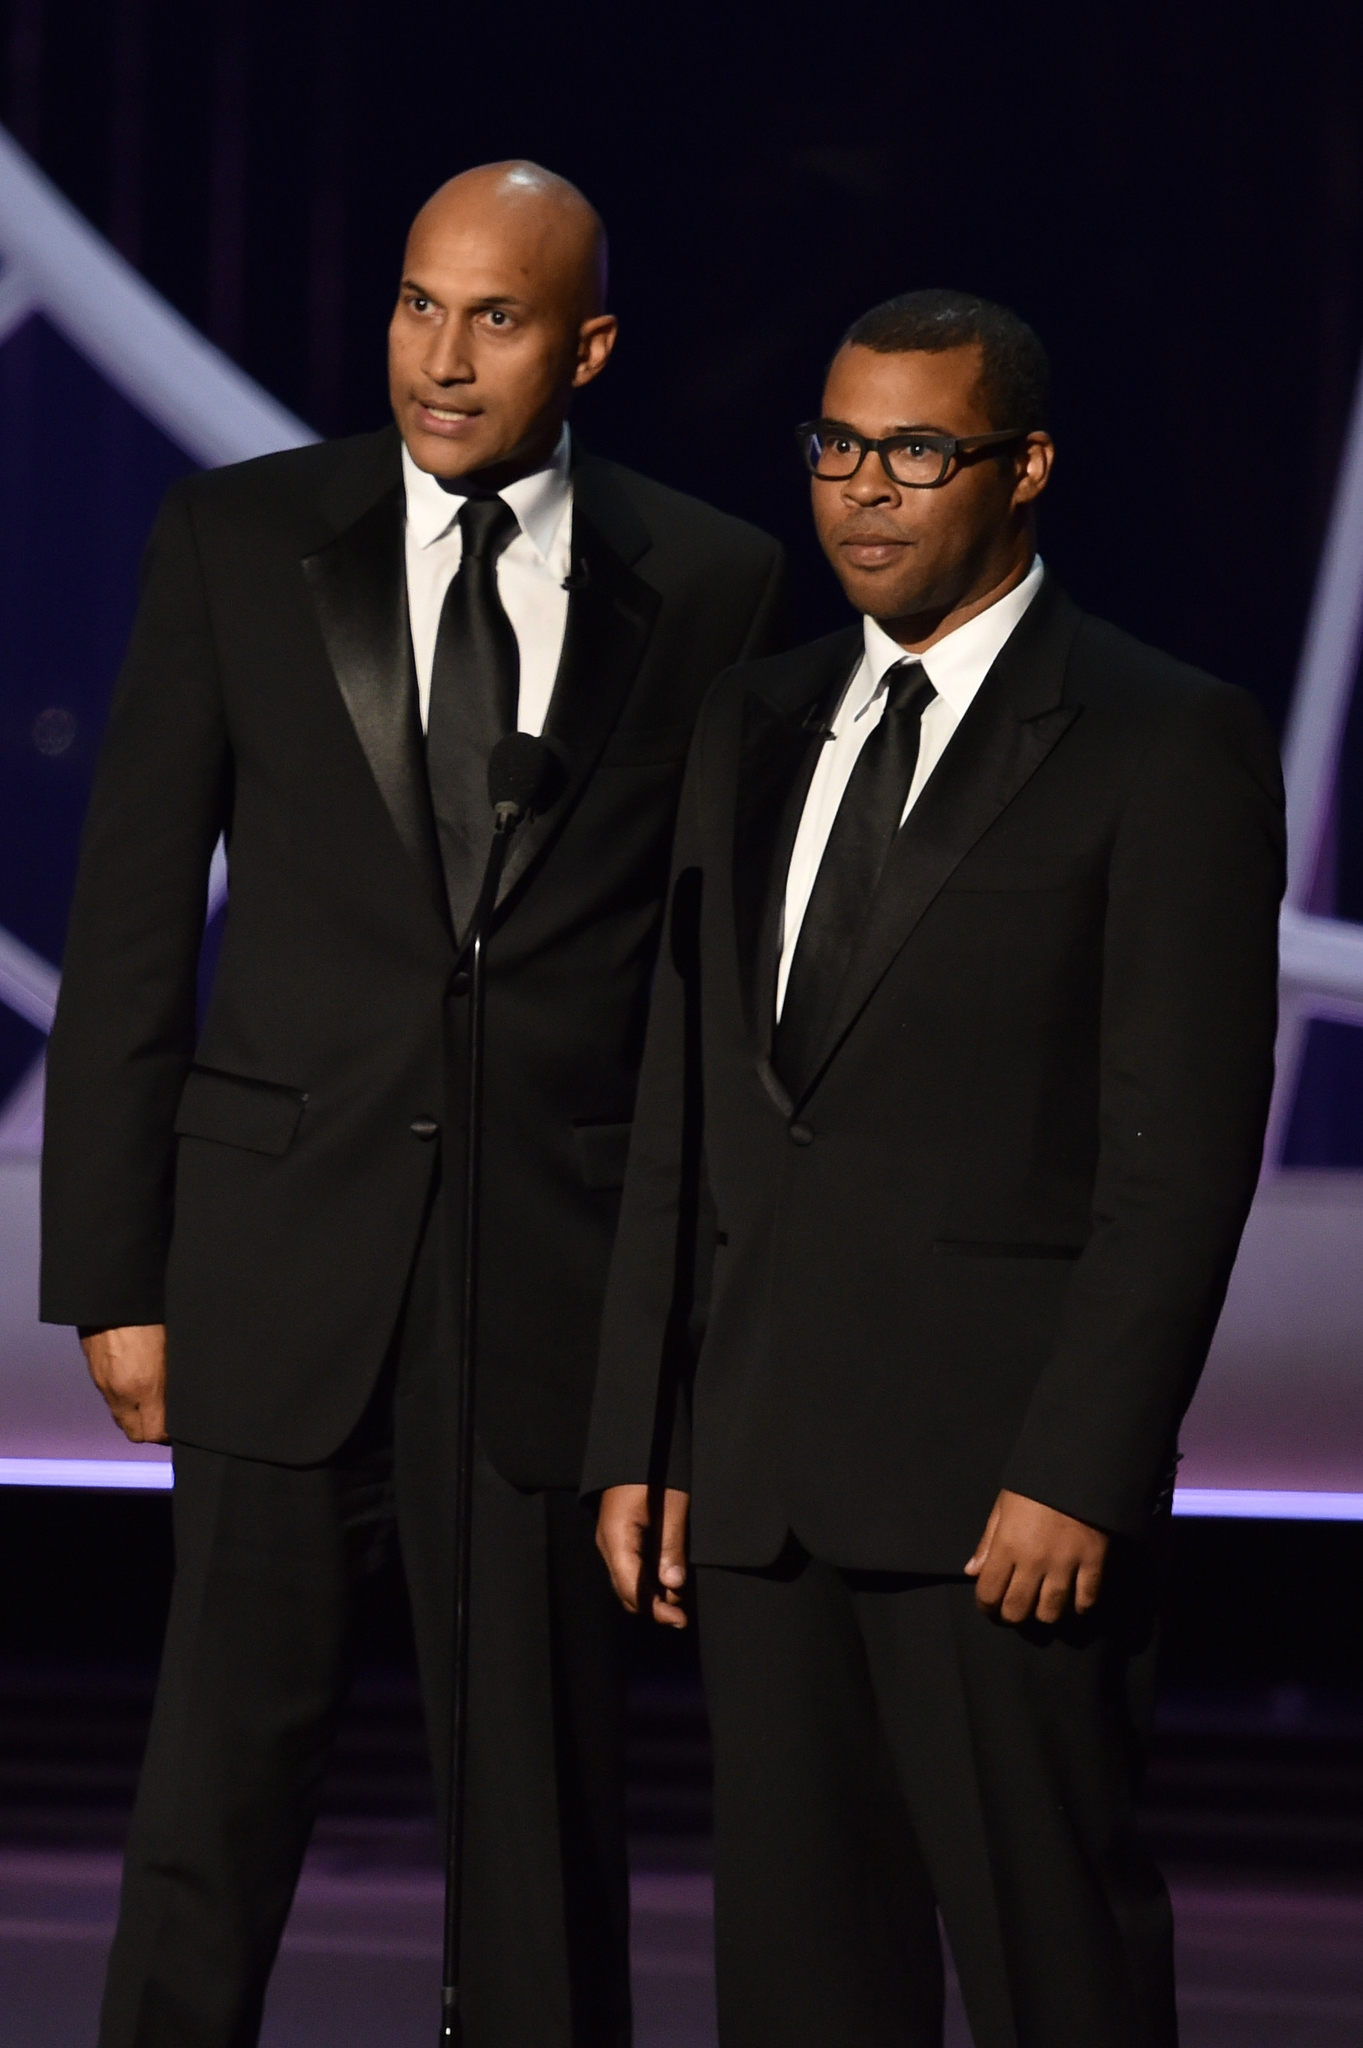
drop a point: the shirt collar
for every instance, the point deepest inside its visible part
(957, 664)
(539, 500)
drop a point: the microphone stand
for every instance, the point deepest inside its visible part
(507, 817)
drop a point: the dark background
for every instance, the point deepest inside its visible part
(1171, 193)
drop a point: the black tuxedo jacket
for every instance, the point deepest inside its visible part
(984, 1240)
(262, 1189)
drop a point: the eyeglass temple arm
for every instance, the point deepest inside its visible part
(990, 440)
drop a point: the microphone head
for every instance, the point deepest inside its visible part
(520, 772)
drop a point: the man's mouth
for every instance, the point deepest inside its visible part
(870, 550)
(445, 418)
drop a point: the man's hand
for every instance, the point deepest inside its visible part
(642, 1537)
(1032, 1559)
(129, 1368)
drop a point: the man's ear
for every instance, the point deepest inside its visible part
(1034, 470)
(595, 340)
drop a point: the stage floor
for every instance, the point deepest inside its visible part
(1262, 1965)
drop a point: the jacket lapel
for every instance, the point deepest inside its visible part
(358, 585)
(1014, 722)
(611, 614)
(779, 748)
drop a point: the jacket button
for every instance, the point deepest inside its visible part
(459, 984)
(801, 1134)
(425, 1127)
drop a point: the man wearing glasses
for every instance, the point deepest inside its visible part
(951, 1116)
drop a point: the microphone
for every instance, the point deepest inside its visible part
(518, 772)
(524, 774)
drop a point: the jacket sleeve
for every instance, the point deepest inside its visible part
(640, 1427)
(125, 1026)
(1189, 1007)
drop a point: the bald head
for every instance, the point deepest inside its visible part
(546, 218)
(499, 320)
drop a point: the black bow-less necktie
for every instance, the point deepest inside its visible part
(864, 830)
(475, 690)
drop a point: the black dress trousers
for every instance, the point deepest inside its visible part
(884, 1752)
(271, 1562)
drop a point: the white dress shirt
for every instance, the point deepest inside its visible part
(955, 666)
(530, 573)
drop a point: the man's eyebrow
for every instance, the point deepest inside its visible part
(410, 284)
(905, 427)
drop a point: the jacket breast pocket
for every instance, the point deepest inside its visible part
(602, 1150)
(230, 1109)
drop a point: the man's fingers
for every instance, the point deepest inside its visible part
(986, 1543)
(128, 1366)
(142, 1422)
(1053, 1597)
(624, 1578)
(617, 1565)
(992, 1582)
(124, 1413)
(1088, 1585)
(672, 1542)
(154, 1426)
(672, 1573)
(621, 1531)
(1033, 1561)
(626, 1521)
(1020, 1601)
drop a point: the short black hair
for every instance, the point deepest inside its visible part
(1016, 374)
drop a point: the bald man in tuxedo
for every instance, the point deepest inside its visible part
(252, 1221)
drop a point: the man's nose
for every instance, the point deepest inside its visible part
(872, 485)
(447, 359)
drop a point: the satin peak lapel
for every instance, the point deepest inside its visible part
(1011, 727)
(611, 614)
(358, 584)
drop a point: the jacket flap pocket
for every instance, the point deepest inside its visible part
(232, 1110)
(602, 1150)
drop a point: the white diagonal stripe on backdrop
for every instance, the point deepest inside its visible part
(21, 1117)
(28, 983)
(1322, 956)
(112, 317)
(16, 302)
(1328, 670)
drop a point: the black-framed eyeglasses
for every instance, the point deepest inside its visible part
(922, 461)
